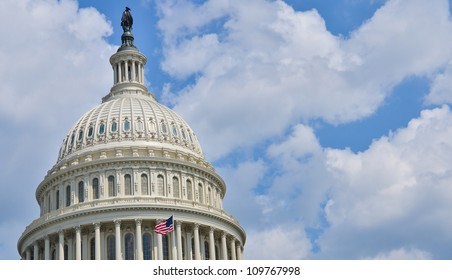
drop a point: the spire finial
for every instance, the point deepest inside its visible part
(127, 36)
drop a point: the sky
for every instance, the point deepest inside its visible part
(329, 121)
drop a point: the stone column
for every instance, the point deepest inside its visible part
(233, 254)
(118, 239)
(239, 252)
(78, 243)
(139, 239)
(189, 247)
(211, 245)
(28, 254)
(224, 249)
(36, 251)
(159, 247)
(126, 69)
(97, 241)
(196, 239)
(179, 239)
(133, 78)
(47, 247)
(155, 247)
(120, 71)
(61, 245)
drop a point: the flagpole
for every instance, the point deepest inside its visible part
(173, 241)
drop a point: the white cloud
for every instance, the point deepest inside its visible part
(271, 65)
(404, 254)
(378, 203)
(282, 242)
(53, 42)
(240, 199)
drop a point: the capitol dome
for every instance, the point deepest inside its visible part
(125, 167)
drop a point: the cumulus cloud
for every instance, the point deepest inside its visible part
(53, 42)
(275, 65)
(283, 242)
(389, 201)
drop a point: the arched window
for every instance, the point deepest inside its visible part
(57, 199)
(139, 125)
(164, 128)
(96, 188)
(129, 247)
(174, 130)
(92, 249)
(126, 125)
(165, 247)
(206, 250)
(102, 129)
(68, 196)
(183, 134)
(80, 135)
(49, 202)
(111, 186)
(128, 184)
(160, 186)
(114, 126)
(72, 138)
(144, 184)
(81, 192)
(147, 246)
(189, 190)
(152, 127)
(176, 192)
(209, 193)
(111, 247)
(90, 131)
(201, 193)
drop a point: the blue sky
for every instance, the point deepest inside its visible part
(328, 120)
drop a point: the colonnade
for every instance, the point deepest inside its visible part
(128, 71)
(97, 241)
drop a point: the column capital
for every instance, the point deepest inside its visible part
(96, 225)
(117, 222)
(196, 226)
(78, 228)
(178, 223)
(211, 229)
(138, 222)
(61, 232)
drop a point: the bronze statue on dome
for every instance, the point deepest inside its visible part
(126, 20)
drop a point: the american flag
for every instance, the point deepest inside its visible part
(165, 226)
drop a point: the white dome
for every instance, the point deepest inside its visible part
(123, 167)
(126, 121)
